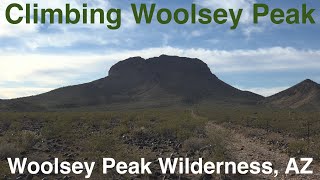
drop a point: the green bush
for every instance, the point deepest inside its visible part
(28, 139)
(297, 148)
(8, 150)
(195, 144)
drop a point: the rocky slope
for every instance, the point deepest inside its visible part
(306, 94)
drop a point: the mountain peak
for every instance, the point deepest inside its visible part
(308, 82)
(306, 86)
(303, 94)
(158, 81)
(163, 65)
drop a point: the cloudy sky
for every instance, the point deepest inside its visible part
(263, 58)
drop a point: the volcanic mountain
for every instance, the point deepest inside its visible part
(158, 81)
(305, 95)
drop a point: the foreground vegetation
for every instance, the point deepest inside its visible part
(90, 136)
(153, 133)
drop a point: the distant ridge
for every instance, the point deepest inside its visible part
(159, 81)
(305, 94)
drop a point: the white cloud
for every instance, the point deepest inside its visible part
(165, 39)
(65, 39)
(253, 29)
(246, 16)
(45, 69)
(265, 91)
(31, 36)
(262, 59)
(17, 30)
(10, 30)
(196, 33)
(52, 71)
(246, 19)
(34, 36)
(8, 93)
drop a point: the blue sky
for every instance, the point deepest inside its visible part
(263, 58)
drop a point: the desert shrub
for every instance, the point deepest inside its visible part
(168, 133)
(8, 150)
(4, 169)
(218, 139)
(298, 147)
(100, 143)
(142, 133)
(56, 128)
(16, 126)
(194, 144)
(120, 130)
(28, 139)
(5, 124)
(9, 147)
(18, 141)
(49, 131)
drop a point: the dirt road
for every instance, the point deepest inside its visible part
(243, 148)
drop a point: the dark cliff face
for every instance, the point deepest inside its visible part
(129, 67)
(185, 77)
(163, 67)
(156, 79)
(169, 72)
